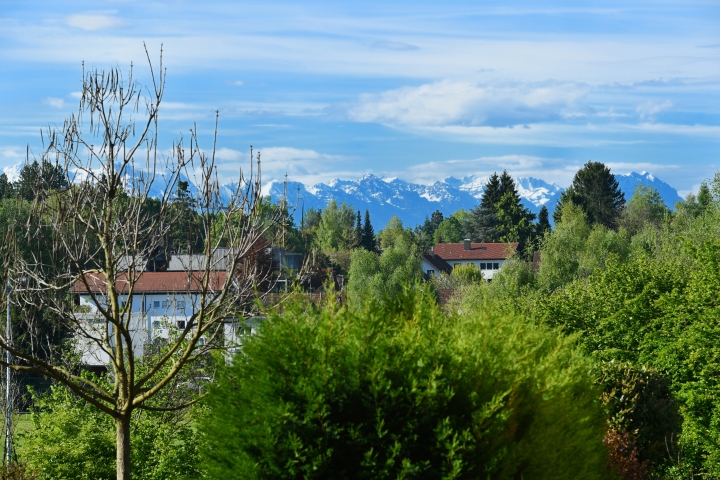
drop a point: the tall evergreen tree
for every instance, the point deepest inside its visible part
(704, 197)
(368, 235)
(426, 232)
(543, 225)
(5, 186)
(482, 220)
(507, 184)
(598, 193)
(358, 230)
(514, 221)
(36, 179)
(185, 230)
(566, 197)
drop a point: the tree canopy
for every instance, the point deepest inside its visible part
(595, 189)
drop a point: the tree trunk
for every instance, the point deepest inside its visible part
(122, 430)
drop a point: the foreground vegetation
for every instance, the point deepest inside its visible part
(400, 389)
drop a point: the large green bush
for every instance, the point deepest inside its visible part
(660, 312)
(402, 390)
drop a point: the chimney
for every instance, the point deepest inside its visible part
(467, 244)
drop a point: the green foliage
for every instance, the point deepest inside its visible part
(482, 219)
(425, 233)
(336, 228)
(500, 217)
(382, 277)
(5, 186)
(638, 401)
(16, 471)
(393, 231)
(595, 189)
(71, 439)
(368, 234)
(38, 179)
(450, 230)
(401, 390)
(186, 227)
(467, 274)
(704, 197)
(661, 312)
(646, 207)
(543, 226)
(514, 220)
(575, 250)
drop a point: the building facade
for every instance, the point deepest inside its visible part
(487, 257)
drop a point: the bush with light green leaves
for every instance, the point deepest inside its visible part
(73, 440)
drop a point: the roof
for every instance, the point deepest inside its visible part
(478, 251)
(437, 262)
(152, 282)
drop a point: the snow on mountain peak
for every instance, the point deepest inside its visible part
(412, 202)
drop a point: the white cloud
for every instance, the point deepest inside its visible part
(228, 154)
(94, 21)
(76, 95)
(54, 102)
(465, 103)
(648, 110)
(553, 170)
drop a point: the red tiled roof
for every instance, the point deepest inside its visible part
(478, 251)
(437, 262)
(153, 282)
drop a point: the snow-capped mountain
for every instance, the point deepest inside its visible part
(629, 181)
(385, 197)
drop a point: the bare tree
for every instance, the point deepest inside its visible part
(110, 226)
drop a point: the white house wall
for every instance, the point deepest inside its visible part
(487, 273)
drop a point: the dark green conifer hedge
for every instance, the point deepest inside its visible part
(403, 390)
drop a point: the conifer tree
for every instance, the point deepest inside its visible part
(358, 230)
(368, 235)
(5, 186)
(36, 179)
(704, 197)
(543, 225)
(598, 193)
(426, 232)
(566, 197)
(482, 219)
(514, 221)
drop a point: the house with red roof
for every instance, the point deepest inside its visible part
(487, 257)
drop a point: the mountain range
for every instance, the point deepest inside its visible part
(412, 202)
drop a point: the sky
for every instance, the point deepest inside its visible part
(417, 90)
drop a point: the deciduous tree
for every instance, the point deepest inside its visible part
(102, 235)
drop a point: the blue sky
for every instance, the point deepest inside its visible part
(417, 90)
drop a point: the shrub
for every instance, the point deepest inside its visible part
(402, 390)
(74, 440)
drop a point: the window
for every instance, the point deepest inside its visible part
(431, 273)
(496, 266)
(483, 266)
(156, 324)
(180, 304)
(164, 304)
(181, 324)
(156, 304)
